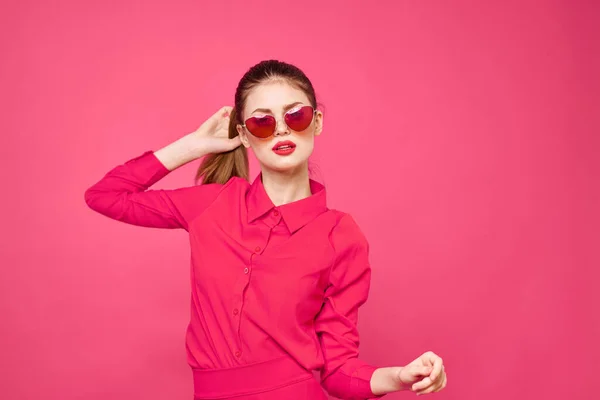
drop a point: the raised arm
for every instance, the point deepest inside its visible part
(122, 194)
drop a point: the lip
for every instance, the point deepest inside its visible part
(288, 150)
(284, 143)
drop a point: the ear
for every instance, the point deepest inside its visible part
(318, 123)
(243, 136)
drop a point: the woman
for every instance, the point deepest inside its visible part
(277, 277)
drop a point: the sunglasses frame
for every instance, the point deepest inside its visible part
(311, 121)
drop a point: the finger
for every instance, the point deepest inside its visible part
(235, 142)
(221, 130)
(434, 387)
(222, 112)
(225, 111)
(421, 385)
(443, 385)
(431, 356)
(224, 124)
(414, 372)
(438, 364)
(425, 359)
(429, 389)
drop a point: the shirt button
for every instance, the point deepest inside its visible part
(257, 249)
(238, 354)
(246, 270)
(236, 311)
(276, 213)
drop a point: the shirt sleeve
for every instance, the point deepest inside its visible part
(122, 194)
(344, 375)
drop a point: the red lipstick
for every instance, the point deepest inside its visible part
(284, 148)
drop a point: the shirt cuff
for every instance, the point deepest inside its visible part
(361, 381)
(147, 168)
(353, 381)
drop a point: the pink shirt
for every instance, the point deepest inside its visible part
(267, 281)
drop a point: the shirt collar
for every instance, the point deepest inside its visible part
(295, 214)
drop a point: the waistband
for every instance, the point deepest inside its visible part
(247, 379)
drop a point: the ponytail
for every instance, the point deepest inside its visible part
(219, 168)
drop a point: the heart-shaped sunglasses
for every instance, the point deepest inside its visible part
(297, 119)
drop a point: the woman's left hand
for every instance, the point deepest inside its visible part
(424, 375)
(421, 383)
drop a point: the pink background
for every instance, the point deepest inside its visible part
(463, 137)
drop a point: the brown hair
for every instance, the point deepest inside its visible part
(219, 168)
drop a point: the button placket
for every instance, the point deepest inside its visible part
(237, 311)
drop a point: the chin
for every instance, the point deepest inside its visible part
(286, 164)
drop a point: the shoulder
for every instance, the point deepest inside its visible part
(198, 188)
(351, 248)
(346, 232)
(233, 185)
(236, 184)
(345, 222)
(194, 200)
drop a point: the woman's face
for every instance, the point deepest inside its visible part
(275, 99)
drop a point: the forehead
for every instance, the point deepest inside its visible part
(274, 96)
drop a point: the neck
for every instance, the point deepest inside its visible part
(286, 187)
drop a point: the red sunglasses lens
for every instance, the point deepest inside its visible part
(300, 119)
(261, 127)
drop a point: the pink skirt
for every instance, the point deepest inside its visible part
(280, 379)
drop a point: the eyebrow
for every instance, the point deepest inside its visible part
(285, 108)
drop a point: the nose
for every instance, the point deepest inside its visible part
(281, 128)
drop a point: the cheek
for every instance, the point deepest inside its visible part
(306, 143)
(258, 145)
(260, 148)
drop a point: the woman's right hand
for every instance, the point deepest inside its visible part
(213, 135)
